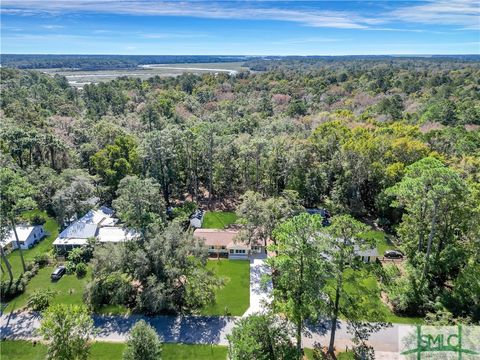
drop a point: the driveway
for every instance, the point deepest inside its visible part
(260, 292)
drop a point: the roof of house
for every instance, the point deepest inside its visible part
(103, 216)
(115, 234)
(80, 230)
(215, 237)
(372, 252)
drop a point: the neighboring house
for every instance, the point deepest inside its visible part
(324, 213)
(27, 236)
(196, 220)
(99, 224)
(367, 255)
(223, 243)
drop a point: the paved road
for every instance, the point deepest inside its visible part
(188, 329)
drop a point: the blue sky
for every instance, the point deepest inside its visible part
(240, 27)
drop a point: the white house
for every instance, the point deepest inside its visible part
(27, 236)
(223, 243)
(99, 224)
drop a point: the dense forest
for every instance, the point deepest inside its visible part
(393, 142)
(106, 62)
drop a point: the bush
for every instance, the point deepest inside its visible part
(70, 267)
(81, 270)
(40, 299)
(41, 259)
(38, 219)
(143, 343)
(9, 290)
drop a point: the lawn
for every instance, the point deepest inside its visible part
(363, 287)
(24, 350)
(235, 295)
(51, 227)
(218, 219)
(380, 240)
(69, 289)
(340, 356)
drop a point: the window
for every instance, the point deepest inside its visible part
(238, 251)
(212, 247)
(231, 251)
(224, 247)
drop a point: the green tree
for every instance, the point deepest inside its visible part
(299, 275)
(261, 337)
(16, 194)
(139, 203)
(143, 343)
(68, 330)
(342, 243)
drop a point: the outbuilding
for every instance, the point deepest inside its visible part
(27, 236)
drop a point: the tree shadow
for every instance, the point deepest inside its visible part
(19, 325)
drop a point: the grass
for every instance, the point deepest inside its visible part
(51, 227)
(24, 350)
(235, 295)
(69, 289)
(363, 287)
(340, 356)
(380, 240)
(218, 219)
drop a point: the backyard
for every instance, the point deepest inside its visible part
(218, 219)
(24, 350)
(235, 295)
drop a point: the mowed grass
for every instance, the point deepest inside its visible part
(340, 356)
(235, 295)
(68, 290)
(380, 239)
(24, 350)
(218, 219)
(51, 227)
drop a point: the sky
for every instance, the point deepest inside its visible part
(240, 27)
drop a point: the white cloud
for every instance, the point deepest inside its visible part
(221, 10)
(462, 13)
(53, 27)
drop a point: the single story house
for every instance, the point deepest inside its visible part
(27, 236)
(224, 243)
(99, 224)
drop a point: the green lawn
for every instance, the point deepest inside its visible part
(235, 295)
(363, 286)
(45, 245)
(24, 350)
(341, 356)
(218, 219)
(381, 241)
(69, 289)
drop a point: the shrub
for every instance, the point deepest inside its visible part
(143, 343)
(70, 267)
(38, 219)
(81, 270)
(9, 290)
(40, 299)
(41, 259)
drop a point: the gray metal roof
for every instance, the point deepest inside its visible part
(79, 230)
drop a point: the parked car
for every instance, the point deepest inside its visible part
(58, 273)
(393, 254)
